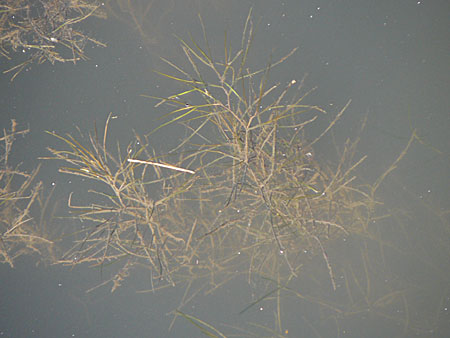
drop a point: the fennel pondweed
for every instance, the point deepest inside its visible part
(251, 200)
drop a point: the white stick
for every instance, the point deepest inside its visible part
(168, 166)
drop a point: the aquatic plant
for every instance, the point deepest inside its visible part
(20, 233)
(45, 31)
(242, 195)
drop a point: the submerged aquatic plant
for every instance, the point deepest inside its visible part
(260, 191)
(45, 30)
(20, 233)
(241, 195)
(125, 214)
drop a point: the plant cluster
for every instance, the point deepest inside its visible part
(45, 30)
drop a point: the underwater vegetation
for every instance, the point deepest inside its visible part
(46, 31)
(256, 189)
(20, 198)
(242, 197)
